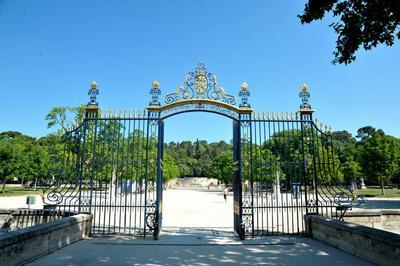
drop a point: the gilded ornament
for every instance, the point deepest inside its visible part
(93, 85)
(244, 86)
(156, 84)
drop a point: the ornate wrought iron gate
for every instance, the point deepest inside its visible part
(110, 169)
(284, 166)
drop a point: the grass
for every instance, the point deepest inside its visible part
(18, 191)
(376, 192)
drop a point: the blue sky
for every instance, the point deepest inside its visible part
(50, 51)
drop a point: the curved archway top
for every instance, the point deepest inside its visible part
(200, 92)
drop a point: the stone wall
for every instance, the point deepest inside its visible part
(388, 220)
(14, 219)
(24, 245)
(372, 244)
(190, 182)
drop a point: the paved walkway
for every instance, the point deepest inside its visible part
(197, 230)
(194, 246)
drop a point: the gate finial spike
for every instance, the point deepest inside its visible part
(264, 115)
(269, 117)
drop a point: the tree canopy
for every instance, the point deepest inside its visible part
(361, 23)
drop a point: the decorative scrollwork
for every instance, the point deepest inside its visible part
(304, 96)
(150, 213)
(312, 206)
(247, 217)
(200, 84)
(93, 92)
(151, 221)
(155, 92)
(342, 198)
(54, 197)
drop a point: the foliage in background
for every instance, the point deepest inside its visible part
(372, 155)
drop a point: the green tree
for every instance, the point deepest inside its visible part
(8, 157)
(365, 132)
(379, 158)
(170, 169)
(30, 160)
(365, 23)
(63, 115)
(222, 167)
(345, 145)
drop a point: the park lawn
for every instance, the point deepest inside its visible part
(376, 192)
(19, 191)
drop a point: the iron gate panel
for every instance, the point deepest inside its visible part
(276, 181)
(293, 172)
(110, 170)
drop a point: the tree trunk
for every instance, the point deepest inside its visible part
(4, 187)
(383, 186)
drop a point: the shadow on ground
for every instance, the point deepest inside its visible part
(199, 246)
